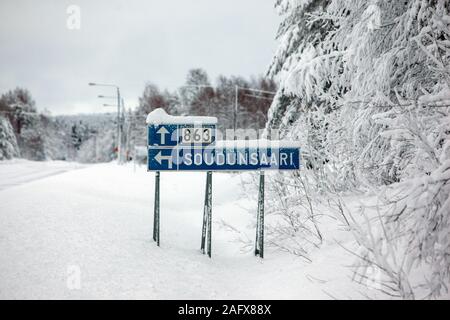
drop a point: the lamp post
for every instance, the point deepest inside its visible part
(236, 92)
(118, 114)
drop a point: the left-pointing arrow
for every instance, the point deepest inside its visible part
(163, 131)
(159, 157)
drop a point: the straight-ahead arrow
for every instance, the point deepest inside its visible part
(159, 157)
(163, 131)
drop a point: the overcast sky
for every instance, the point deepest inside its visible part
(128, 42)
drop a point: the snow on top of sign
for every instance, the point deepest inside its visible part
(260, 143)
(159, 116)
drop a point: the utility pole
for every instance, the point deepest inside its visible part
(201, 86)
(236, 103)
(125, 129)
(95, 148)
(119, 136)
(236, 99)
(93, 134)
(129, 137)
(118, 115)
(236, 92)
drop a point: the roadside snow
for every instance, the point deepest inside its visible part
(18, 171)
(99, 219)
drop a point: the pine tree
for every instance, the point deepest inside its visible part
(8, 144)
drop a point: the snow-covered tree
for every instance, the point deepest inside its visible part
(20, 108)
(365, 86)
(152, 98)
(8, 144)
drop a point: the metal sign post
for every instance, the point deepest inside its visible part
(207, 215)
(209, 211)
(259, 243)
(156, 211)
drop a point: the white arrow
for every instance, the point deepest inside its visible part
(163, 131)
(159, 157)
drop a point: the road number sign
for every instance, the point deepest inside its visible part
(196, 135)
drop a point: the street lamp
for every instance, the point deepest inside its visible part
(106, 97)
(118, 114)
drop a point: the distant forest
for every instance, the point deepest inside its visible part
(29, 133)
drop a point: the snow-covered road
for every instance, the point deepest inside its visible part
(96, 222)
(16, 172)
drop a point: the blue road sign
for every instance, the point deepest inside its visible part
(192, 147)
(223, 159)
(189, 144)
